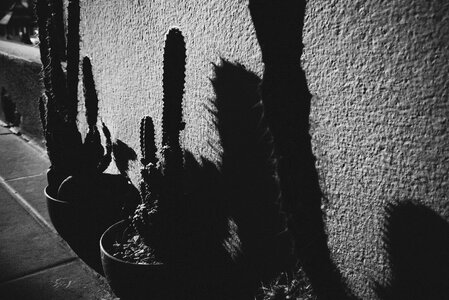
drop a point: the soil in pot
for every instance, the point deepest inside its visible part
(135, 272)
(131, 268)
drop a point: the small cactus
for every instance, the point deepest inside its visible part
(147, 143)
(151, 174)
(150, 185)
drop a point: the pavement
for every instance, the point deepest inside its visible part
(35, 262)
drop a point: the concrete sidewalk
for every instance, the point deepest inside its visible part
(35, 263)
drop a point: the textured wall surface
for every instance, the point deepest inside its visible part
(125, 42)
(21, 79)
(378, 73)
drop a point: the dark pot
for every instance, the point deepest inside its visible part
(81, 222)
(130, 280)
(78, 226)
(163, 281)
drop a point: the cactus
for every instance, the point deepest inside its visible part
(94, 200)
(150, 185)
(151, 173)
(58, 106)
(173, 85)
(147, 142)
(161, 180)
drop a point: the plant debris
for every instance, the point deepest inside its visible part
(135, 251)
(294, 286)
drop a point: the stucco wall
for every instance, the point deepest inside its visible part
(378, 73)
(125, 41)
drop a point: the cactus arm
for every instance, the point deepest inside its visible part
(50, 115)
(57, 77)
(142, 140)
(147, 141)
(41, 7)
(56, 8)
(151, 175)
(143, 188)
(73, 38)
(173, 86)
(43, 114)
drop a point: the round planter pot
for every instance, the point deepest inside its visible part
(80, 226)
(162, 281)
(87, 207)
(131, 280)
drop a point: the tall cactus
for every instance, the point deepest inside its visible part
(161, 187)
(173, 86)
(63, 139)
(59, 104)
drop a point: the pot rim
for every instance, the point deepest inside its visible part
(52, 198)
(87, 205)
(110, 256)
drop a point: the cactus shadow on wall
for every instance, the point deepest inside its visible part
(417, 243)
(286, 99)
(231, 221)
(248, 170)
(123, 155)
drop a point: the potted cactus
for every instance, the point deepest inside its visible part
(161, 249)
(82, 200)
(185, 239)
(58, 106)
(130, 275)
(152, 226)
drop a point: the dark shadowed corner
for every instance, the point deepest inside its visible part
(417, 244)
(286, 98)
